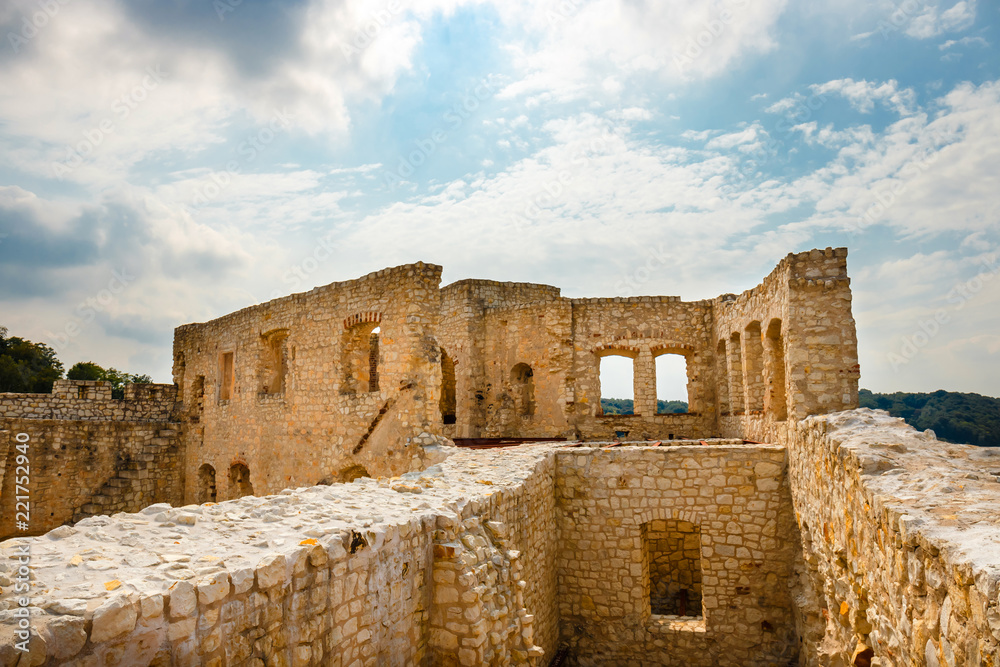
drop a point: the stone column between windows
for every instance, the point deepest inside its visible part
(644, 383)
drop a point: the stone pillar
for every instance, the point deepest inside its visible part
(753, 363)
(736, 401)
(644, 383)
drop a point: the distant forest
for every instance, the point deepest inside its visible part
(953, 416)
(963, 418)
(623, 406)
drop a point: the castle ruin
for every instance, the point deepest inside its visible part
(295, 497)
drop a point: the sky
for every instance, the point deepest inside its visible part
(165, 162)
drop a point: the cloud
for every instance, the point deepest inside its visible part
(931, 21)
(965, 41)
(863, 95)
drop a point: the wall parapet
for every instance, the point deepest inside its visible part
(901, 540)
(91, 400)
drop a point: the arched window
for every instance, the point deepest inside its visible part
(239, 481)
(523, 386)
(206, 484)
(447, 388)
(617, 381)
(774, 367)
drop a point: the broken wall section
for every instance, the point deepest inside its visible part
(787, 348)
(360, 387)
(327, 575)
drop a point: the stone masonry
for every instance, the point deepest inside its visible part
(295, 500)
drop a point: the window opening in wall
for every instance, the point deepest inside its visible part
(522, 382)
(273, 362)
(239, 481)
(81, 392)
(448, 402)
(673, 554)
(226, 371)
(617, 385)
(352, 473)
(753, 367)
(774, 367)
(373, 359)
(360, 358)
(206, 484)
(671, 383)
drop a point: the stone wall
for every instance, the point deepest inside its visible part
(737, 498)
(423, 569)
(788, 347)
(281, 394)
(91, 401)
(504, 556)
(80, 468)
(785, 348)
(901, 542)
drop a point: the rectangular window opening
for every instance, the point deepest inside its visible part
(673, 552)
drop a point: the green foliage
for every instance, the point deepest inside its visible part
(88, 370)
(26, 366)
(953, 416)
(85, 370)
(624, 406)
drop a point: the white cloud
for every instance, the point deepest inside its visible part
(863, 95)
(931, 21)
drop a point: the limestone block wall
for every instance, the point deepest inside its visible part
(78, 468)
(352, 574)
(788, 347)
(642, 328)
(901, 540)
(736, 496)
(477, 350)
(526, 374)
(91, 400)
(294, 375)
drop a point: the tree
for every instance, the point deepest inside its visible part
(85, 370)
(88, 370)
(26, 366)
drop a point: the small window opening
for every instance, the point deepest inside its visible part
(239, 481)
(671, 383)
(448, 402)
(523, 385)
(673, 552)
